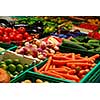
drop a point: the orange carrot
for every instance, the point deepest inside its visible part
(59, 62)
(42, 68)
(48, 63)
(71, 77)
(67, 76)
(53, 74)
(73, 56)
(50, 66)
(72, 71)
(95, 56)
(79, 64)
(53, 66)
(35, 69)
(60, 57)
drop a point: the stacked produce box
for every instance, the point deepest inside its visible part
(50, 50)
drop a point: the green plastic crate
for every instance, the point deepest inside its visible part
(33, 76)
(7, 47)
(84, 80)
(95, 78)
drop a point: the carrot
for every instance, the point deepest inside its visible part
(95, 56)
(35, 69)
(79, 64)
(50, 66)
(53, 66)
(42, 68)
(59, 62)
(63, 70)
(72, 71)
(53, 74)
(73, 56)
(48, 63)
(71, 77)
(82, 72)
(50, 54)
(60, 57)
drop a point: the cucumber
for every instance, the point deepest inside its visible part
(93, 41)
(94, 44)
(71, 44)
(97, 49)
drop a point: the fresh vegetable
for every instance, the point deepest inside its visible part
(13, 66)
(11, 35)
(72, 69)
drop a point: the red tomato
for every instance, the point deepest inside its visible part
(2, 28)
(13, 33)
(21, 30)
(18, 37)
(29, 38)
(1, 32)
(8, 30)
(6, 39)
(0, 38)
(26, 34)
(12, 37)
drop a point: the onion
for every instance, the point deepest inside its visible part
(56, 48)
(34, 46)
(40, 49)
(44, 54)
(43, 45)
(38, 42)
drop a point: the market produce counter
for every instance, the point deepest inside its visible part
(44, 50)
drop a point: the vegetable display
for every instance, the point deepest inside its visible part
(13, 67)
(68, 66)
(39, 49)
(9, 35)
(82, 43)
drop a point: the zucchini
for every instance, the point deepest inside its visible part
(71, 44)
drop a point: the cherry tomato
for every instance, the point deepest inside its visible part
(1, 32)
(29, 38)
(8, 30)
(26, 34)
(21, 30)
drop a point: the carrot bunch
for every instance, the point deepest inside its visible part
(69, 66)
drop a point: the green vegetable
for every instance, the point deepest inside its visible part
(12, 68)
(4, 66)
(71, 44)
(16, 61)
(93, 41)
(19, 67)
(9, 61)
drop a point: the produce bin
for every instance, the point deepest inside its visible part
(23, 60)
(84, 80)
(33, 76)
(7, 47)
(95, 78)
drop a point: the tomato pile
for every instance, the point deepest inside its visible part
(10, 35)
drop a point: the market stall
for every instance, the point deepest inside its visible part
(50, 49)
